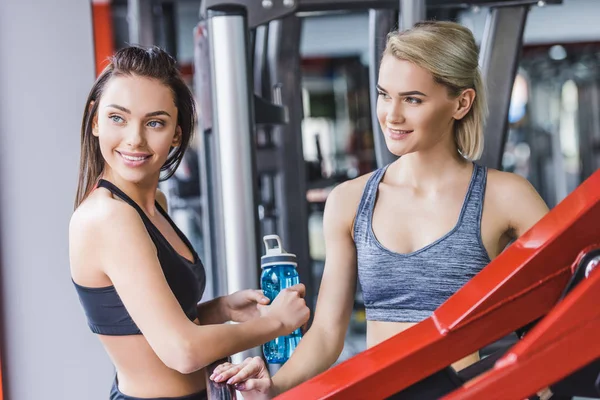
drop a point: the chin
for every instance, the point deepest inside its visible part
(398, 149)
(133, 176)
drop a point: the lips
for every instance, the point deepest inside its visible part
(134, 159)
(398, 134)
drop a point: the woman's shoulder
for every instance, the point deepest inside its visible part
(344, 200)
(99, 213)
(101, 225)
(350, 191)
(514, 197)
(508, 184)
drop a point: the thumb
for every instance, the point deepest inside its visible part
(260, 385)
(259, 297)
(262, 307)
(300, 288)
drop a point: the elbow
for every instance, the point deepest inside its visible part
(184, 358)
(335, 346)
(333, 338)
(337, 350)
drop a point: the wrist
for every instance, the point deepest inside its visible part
(276, 388)
(276, 325)
(214, 311)
(224, 307)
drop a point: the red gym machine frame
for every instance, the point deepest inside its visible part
(521, 285)
(563, 342)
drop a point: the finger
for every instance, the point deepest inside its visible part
(227, 373)
(260, 385)
(248, 371)
(224, 375)
(220, 368)
(300, 288)
(259, 297)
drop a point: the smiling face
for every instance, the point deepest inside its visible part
(415, 113)
(136, 125)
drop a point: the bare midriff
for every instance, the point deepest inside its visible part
(378, 331)
(142, 374)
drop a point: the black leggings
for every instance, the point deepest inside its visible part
(115, 394)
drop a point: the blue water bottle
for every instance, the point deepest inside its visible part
(278, 272)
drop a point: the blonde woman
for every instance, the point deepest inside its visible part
(415, 231)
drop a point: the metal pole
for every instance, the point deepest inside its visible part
(380, 23)
(558, 161)
(589, 125)
(213, 259)
(498, 59)
(233, 127)
(290, 183)
(260, 60)
(411, 12)
(139, 19)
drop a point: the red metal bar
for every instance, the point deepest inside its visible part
(562, 343)
(519, 286)
(103, 33)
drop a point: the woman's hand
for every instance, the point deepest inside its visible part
(245, 305)
(251, 378)
(289, 307)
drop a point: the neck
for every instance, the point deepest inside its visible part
(143, 193)
(429, 168)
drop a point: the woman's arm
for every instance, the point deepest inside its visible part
(322, 344)
(213, 312)
(241, 306)
(221, 309)
(115, 239)
(520, 204)
(209, 312)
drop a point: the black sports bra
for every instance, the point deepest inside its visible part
(103, 307)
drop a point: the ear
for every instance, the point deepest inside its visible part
(95, 125)
(177, 137)
(94, 119)
(464, 103)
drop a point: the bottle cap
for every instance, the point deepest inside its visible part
(276, 255)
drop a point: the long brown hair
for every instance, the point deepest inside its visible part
(150, 62)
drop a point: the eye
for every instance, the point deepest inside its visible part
(383, 94)
(412, 100)
(116, 119)
(156, 124)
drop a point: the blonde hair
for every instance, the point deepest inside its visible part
(449, 52)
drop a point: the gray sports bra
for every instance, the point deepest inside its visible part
(409, 287)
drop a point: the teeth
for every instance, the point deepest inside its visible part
(130, 158)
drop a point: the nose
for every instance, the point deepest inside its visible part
(135, 136)
(394, 115)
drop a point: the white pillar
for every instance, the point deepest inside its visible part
(46, 71)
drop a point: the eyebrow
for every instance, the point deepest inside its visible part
(150, 114)
(411, 93)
